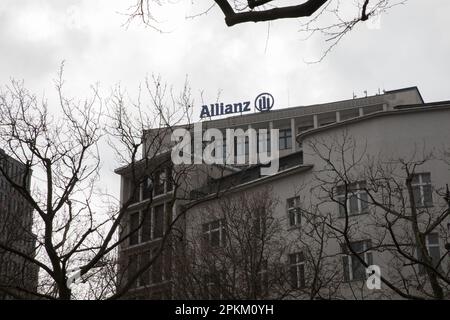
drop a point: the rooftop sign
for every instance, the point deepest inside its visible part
(263, 102)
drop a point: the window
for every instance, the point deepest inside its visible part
(214, 233)
(357, 200)
(214, 284)
(144, 278)
(158, 182)
(263, 145)
(158, 222)
(294, 212)
(169, 177)
(353, 268)
(432, 244)
(421, 185)
(157, 268)
(136, 195)
(146, 226)
(147, 188)
(132, 268)
(134, 228)
(297, 270)
(285, 139)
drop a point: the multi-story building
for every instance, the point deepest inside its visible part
(360, 182)
(18, 277)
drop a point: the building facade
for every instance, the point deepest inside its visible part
(361, 188)
(16, 220)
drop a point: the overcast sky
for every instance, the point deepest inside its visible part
(411, 47)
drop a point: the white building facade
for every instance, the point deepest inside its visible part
(361, 188)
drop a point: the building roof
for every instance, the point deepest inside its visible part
(398, 110)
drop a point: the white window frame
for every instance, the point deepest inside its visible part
(365, 252)
(296, 210)
(428, 245)
(297, 265)
(220, 228)
(353, 191)
(421, 186)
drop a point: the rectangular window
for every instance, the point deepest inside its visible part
(144, 278)
(214, 233)
(294, 212)
(134, 228)
(422, 190)
(158, 222)
(132, 268)
(146, 225)
(354, 269)
(263, 144)
(147, 187)
(157, 269)
(158, 182)
(297, 270)
(285, 139)
(357, 199)
(214, 284)
(432, 244)
(169, 177)
(136, 193)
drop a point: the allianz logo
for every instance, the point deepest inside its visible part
(263, 102)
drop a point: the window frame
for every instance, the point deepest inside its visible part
(421, 186)
(285, 139)
(353, 191)
(429, 246)
(349, 275)
(294, 212)
(297, 264)
(207, 231)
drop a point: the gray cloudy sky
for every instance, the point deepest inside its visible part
(411, 47)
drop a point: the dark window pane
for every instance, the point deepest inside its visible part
(433, 238)
(293, 276)
(169, 177)
(426, 178)
(145, 276)
(301, 275)
(157, 269)
(353, 204)
(134, 225)
(364, 201)
(215, 224)
(292, 217)
(215, 238)
(435, 255)
(158, 183)
(428, 195)
(132, 268)
(147, 188)
(341, 208)
(359, 271)
(417, 196)
(146, 226)
(159, 222)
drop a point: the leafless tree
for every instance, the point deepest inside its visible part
(388, 206)
(78, 226)
(235, 249)
(332, 19)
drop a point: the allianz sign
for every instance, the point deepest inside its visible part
(263, 102)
